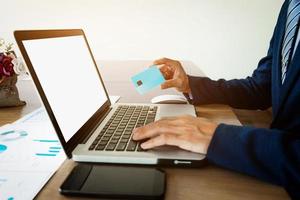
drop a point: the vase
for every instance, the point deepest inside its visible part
(9, 95)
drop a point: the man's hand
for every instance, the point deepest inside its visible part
(186, 132)
(174, 74)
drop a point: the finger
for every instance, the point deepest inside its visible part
(166, 71)
(168, 118)
(150, 130)
(169, 84)
(154, 129)
(162, 61)
(164, 68)
(163, 139)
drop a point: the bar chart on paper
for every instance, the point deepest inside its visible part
(32, 147)
(50, 147)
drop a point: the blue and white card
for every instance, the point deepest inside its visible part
(148, 79)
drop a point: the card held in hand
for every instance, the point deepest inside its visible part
(148, 79)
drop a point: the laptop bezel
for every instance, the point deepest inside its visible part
(95, 119)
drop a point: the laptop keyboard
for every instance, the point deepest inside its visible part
(117, 132)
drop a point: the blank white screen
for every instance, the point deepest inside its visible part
(68, 76)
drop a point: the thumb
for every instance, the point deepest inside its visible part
(168, 84)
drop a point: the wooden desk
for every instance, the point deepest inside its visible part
(210, 182)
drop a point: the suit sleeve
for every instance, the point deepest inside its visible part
(268, 154)
(250, 93)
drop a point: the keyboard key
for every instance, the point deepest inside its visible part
(138, 125)
(126, 136)
(123, 140)
(110, 147)
(110, 132)
(131, 146)
(140, 148)
(114, 141)
(92, 147)
(118, 130)
(103, 143)
(127, 132)
(121, 146)
(148, 122)
(105, 138)
(100, 147)
(116, 137)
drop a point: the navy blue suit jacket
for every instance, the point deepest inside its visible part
(270, 154)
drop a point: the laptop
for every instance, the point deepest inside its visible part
(88, 126)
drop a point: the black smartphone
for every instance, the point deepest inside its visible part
(115, 182)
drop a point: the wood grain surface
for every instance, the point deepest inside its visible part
(208, 182)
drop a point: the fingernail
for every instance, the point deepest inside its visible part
(134, 136)
(144, 145)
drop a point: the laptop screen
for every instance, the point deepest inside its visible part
(70, 81)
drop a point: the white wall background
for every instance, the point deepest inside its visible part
(225, 38)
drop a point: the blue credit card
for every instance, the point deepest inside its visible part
(147, 79)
